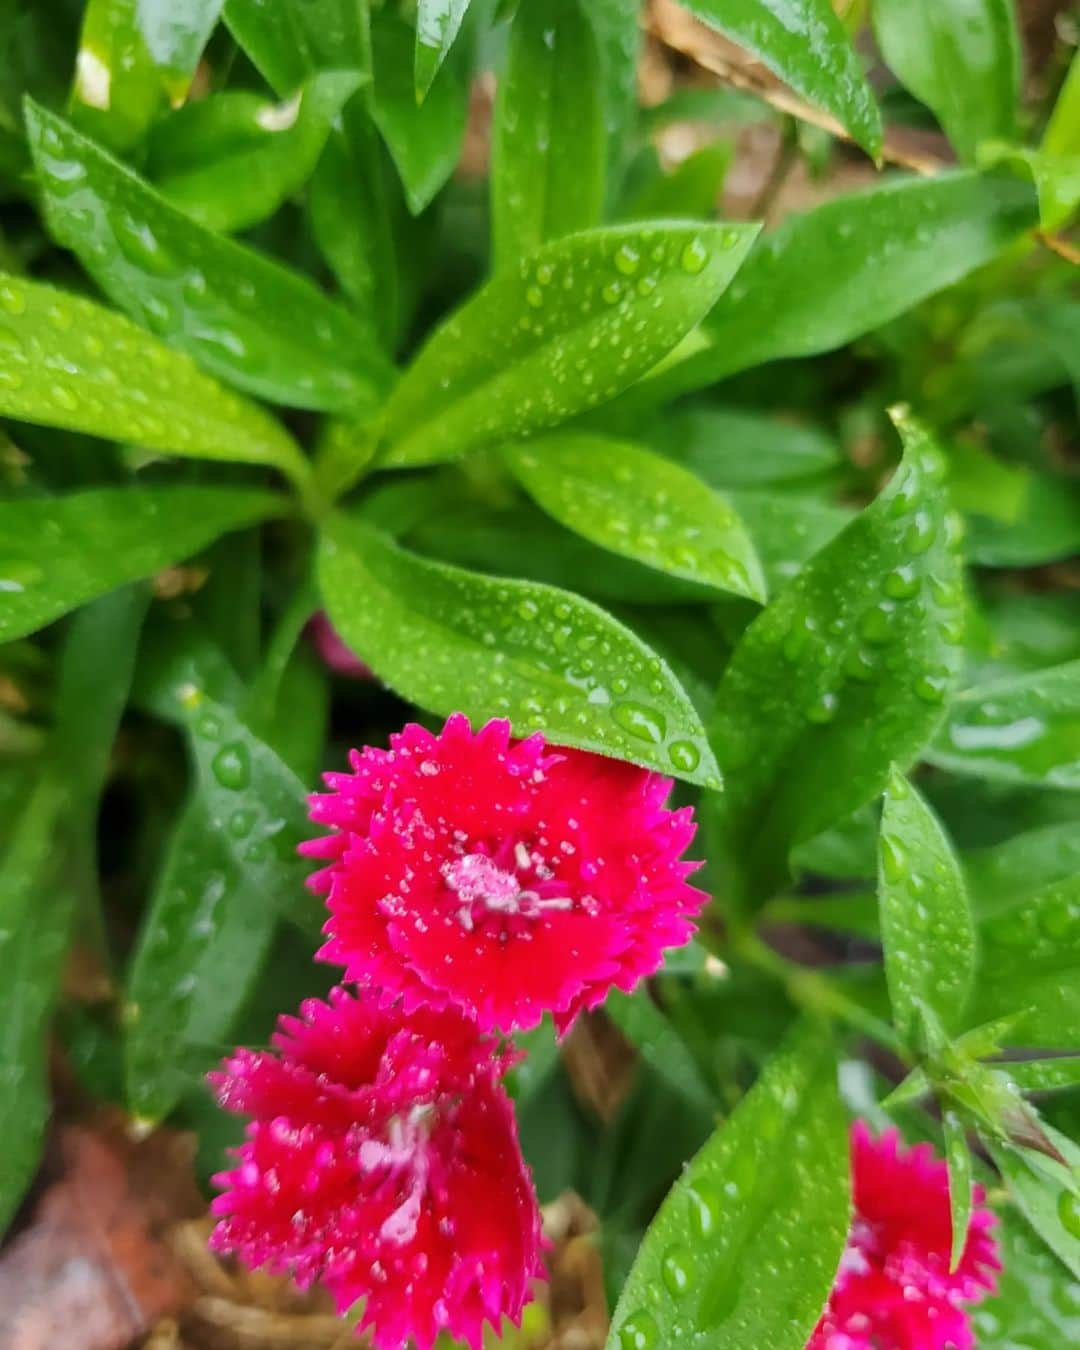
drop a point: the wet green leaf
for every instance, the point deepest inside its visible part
(961, 1199)
(626, 499)
(175, 33)
(231, 160)
(744, 1249)
(230, 873)
(1002, 875)
(1047, 1194)
(549, 144)
(959, 57)
(424, 139)
(1020, 730)
(33, 938)
(59, 552)
(452, 640)
(438, 23)
(844, 673)
(804, 43)
(852, 264)
(584, 319)
(926, 924)
(691, 191)
(618, 36)
(118, 88)
(1037, 1303)
(787, 530)
(71, 363)
(728, 448)
(1030, 960)
(47, 861)
(1045, 1075)
(289, 40)
(243, 317)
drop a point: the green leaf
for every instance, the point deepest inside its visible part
(71, 363)
(245, 318)
(1020, 730)
(438, 23)
(926, 924)
(1030, 960)
(727, 448)
(691, 191)
(844, 673)
(583, 320)
(1050, 1203)
(549, 145)
(59, 552)
(804, 43)
(452, 640)
(424, 139)
(1003, 875)
(1037, 1303)
(118, 88)
(290, 40)
(618, 34)
(230, 874)
(175, 33)
(626, 499)
(960, 1195)
(744, 1249)
(660, 1045)
(47, 860)
(34, 917)
(846, 267)
(959, 57)
(233, 159)
(1057, 172)
(787, 530)
(1045, 1075)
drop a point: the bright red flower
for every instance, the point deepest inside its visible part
(894, 1290)
(335, 652)
(504, 878)
(382, 1161)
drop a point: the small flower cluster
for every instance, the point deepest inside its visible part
(473, 884)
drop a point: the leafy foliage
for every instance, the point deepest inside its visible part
(558, 432)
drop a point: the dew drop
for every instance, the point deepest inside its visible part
(684, 755)
(534, 297)
(1069, 1212)
(823, 709)
(232, 767)
(894, 860)
(901, 583)
(138, 243)
(12, 300)
(639, 1332)
(706, 1210)
(612, 293)
(678, 1270)
(694, 257)
(627, 259)
(931, 687)
(645, 723)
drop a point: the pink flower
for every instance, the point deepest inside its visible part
(503, 878)
(894, 1290)
(382, 1160)
(335, 652)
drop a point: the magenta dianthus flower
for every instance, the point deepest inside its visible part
(382, 1160)
(505, 878)
(894, 1289)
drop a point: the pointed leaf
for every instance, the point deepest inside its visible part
(1021, 730)
(549, 146)
(175, 33)
(926, 924)
(437, 25)
(846, 267)
(1045, 1075)
(118, 88)
(230, 874)
(231, 160)
(290, 40)
(618, 34)
(744, 1249)
(583, 320)
(451, 640)
(804, 43)
(628, 500)
(845, 672)
(71, 363)
(1048, 1197)
(1030, 960)
(728, 448)
(424, 139)
(243, 317)
(958, 1157)
(59, 552)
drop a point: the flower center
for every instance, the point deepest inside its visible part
(516, 886)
